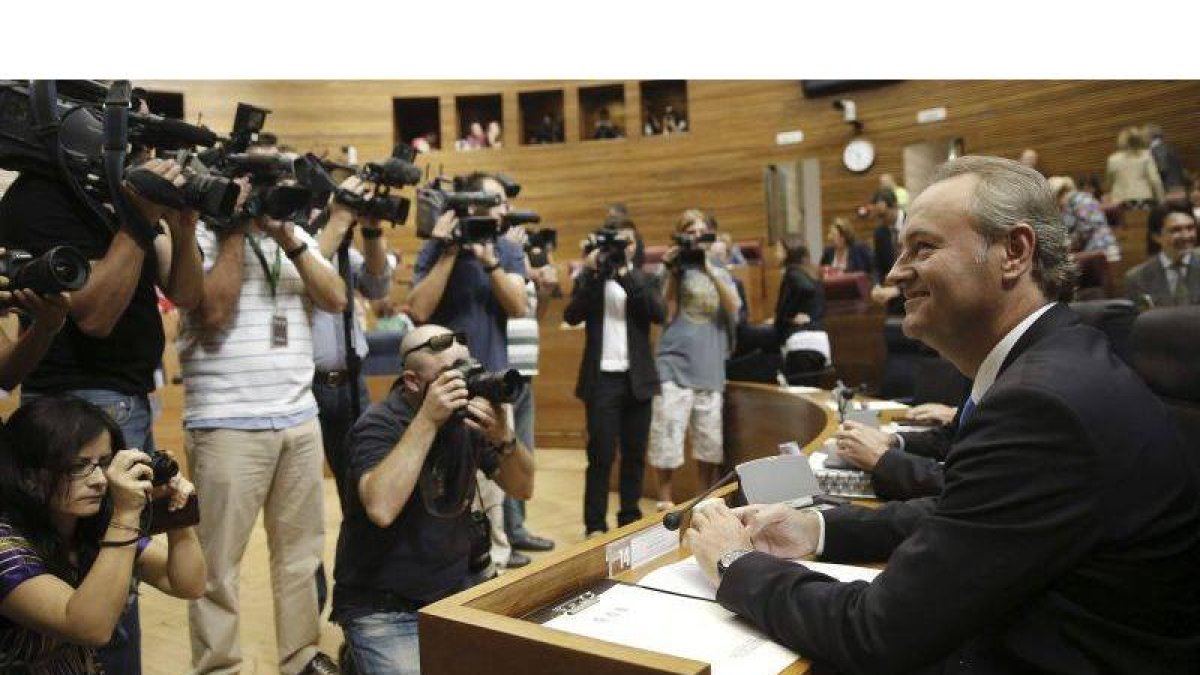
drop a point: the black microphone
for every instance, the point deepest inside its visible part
(674, 519)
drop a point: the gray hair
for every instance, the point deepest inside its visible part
(1007, 193)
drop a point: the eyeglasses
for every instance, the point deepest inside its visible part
(438, 343)
(85, 468)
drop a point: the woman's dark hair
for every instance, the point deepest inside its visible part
(38, 448)
(795, 252)
(843, 226)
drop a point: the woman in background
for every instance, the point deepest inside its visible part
(1132, 174)
(801, 304)
(844, 255)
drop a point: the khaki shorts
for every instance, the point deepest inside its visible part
(674, 410)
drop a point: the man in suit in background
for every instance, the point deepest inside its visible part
(1171, 278)
(891, 217)
(1170, 169)
(1067, 537)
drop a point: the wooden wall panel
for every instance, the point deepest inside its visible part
(719, 163)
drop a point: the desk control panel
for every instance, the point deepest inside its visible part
(845, 483)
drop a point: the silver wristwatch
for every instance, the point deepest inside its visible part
(728, 558)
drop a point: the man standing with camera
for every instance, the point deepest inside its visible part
(112, 340)
(409, 534)
(474, 288)
(617, 377)
(251, 431)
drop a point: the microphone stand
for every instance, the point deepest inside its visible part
(674, 519)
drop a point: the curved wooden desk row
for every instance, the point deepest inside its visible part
(479, 630)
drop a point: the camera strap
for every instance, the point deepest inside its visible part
(116, 139)
(353, 362)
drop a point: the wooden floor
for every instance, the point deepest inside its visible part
(555, 511)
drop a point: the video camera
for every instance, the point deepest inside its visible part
(539, 244)
(612, 251)
(434, 200)
(397, 171)
(690, 253)
(79, 132)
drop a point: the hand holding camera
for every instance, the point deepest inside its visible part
(489, 419)
(129, 481)
(159, 179)
(446, 396)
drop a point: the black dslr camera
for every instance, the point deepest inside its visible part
(62, 268)
(690, 253)
(501, 387)
(612, 254)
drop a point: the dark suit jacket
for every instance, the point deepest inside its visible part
(1170, 169)
(1067, 538)
(885, 251)
(798, 293)
(857, 260)
(643, 305)
(1149, 278)
(915, 471)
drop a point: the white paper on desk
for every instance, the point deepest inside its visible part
(679, 626)
(804, 390)
(686, 578)
(885, 405)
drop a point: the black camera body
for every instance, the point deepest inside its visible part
(498, 387)
(164, 468)
(62, 268)
(691, 254)
(613, 251)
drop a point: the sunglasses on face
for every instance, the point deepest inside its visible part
(438, 343)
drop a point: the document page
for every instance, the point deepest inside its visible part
(685, 577)
(679, 626)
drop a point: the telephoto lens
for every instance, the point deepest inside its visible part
(62, 268)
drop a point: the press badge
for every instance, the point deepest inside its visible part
(279, 336)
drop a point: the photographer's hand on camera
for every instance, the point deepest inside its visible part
(446, 395)
(49, 312)
(129, 484)
(486, 253)
(443, 230)
(489, 419)
(164, 168)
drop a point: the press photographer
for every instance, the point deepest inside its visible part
(250, 424)
(472, 280)
(112, 340)
(46, 313)
(73, 535)
(409, 536)
(617, 379)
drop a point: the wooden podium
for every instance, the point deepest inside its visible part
(480, 629)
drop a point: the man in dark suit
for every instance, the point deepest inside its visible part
(887, 237)
(617, 378)
(1067, 538)
(1170, 169)
(903, 465)
(1172, 277)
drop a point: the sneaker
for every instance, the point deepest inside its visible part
(321, 664)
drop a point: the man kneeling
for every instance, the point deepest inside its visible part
(407, 532)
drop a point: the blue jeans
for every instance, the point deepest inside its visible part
(384, 643)
(333, 406)
(514, 509)
(122, 654)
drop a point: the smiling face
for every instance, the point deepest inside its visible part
(1178, 235)
(948, 274)
(84, 488)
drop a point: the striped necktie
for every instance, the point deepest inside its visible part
(964, 414)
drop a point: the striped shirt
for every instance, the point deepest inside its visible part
(523, 337)
(237, 372)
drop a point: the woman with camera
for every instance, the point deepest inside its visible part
(72, 535)
(691, 356)
(617, 302)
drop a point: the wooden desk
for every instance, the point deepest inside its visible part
(478, 630)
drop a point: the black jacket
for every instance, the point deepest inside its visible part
(1170, 169)
(643, 305)
(915, 471)
(798, 292)
(1067, 538)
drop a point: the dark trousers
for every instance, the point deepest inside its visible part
(333, 412)
(614, 413)
(336, 418)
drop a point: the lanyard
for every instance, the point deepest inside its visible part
(272, 273)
